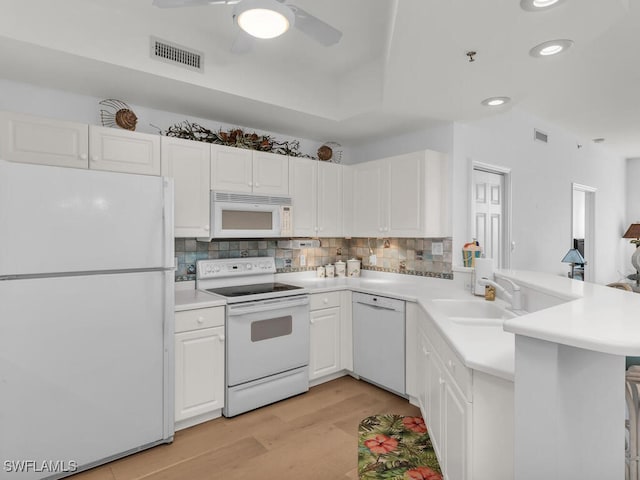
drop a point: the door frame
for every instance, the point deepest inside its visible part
(506, 206)
(589, 227)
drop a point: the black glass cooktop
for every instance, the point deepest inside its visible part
(255, 289)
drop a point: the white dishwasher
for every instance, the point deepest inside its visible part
(378, 341)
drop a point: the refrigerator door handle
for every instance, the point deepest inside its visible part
(168, 222)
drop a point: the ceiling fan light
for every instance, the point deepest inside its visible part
(539, 5)
(263, 18)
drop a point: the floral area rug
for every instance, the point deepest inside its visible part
(395, 447)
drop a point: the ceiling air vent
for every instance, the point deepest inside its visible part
(540, 136)
(176, 54)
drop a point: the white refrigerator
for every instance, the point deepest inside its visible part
(86, 317)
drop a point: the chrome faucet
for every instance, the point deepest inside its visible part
(515, 298)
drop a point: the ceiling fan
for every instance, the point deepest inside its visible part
(265, 19)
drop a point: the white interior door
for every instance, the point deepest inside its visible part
(488, 206)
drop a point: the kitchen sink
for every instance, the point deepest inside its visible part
(473, 312)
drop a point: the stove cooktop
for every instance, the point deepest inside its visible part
(255, 289)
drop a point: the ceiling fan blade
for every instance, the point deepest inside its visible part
(243, 43)
(315, 28)
(191, 3)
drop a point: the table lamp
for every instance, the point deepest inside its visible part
(574, 258)
(634, 232)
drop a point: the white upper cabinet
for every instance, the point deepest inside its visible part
(118, 150)
(231, 169)
(241, 170)
(330, 201)
(270, 173)
(370, 199)
(31, 139)
(402, 196)
(316, 189)
(45, 141)
(303, 179)
(188, 163)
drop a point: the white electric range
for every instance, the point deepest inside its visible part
(267, 331)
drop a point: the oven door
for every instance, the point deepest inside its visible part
(266, 337)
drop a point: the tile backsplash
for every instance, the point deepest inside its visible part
(413, 256)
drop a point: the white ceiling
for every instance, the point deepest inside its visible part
(400, 65)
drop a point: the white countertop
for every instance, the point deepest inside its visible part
(600, 318)
(592, 317)
(188, 298)
(488, 349)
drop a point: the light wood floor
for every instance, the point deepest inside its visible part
(311, 436)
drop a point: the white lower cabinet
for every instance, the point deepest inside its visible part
(199, 365)
(469, 414)
(331, 349)
(324, 334)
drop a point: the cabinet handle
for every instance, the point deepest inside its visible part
(426, 352)
(200, 320)
(381, 229)
(313, 321)
(83, 156)
(94, 158)
(221, 338)
(250, 184)
(257, 185)
(206, 227)
(325, 300)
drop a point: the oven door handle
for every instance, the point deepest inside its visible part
(265, 306)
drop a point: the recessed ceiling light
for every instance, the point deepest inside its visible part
(495, 101)
(552, 47)
(539, 5)
(263, 18)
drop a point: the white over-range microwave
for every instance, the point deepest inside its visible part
(240, 215)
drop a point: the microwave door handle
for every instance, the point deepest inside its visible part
(235, 310)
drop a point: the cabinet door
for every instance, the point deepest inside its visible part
(44, 141)
(188, 163)
(303, 183)
(370, 191)
(270, 173)
(325, 342)
(406, 195)
(231, 169)
(199, 377)
(118, 150)
(456, 412)
(330, 204)
(433, 399)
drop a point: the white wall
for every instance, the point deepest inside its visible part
(438, 137)
(542, 176)
(34, 100)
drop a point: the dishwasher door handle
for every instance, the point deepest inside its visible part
(379, 307)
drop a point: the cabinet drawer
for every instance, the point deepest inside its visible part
(200, 318)
(324, 300)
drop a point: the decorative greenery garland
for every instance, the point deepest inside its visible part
(234, 137)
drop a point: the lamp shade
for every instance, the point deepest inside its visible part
(633, 231)
(573, 256)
